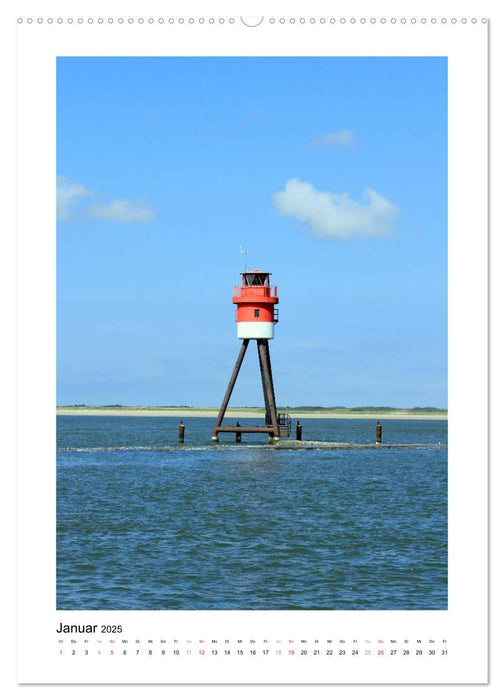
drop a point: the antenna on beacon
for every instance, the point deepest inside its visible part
(245, 253)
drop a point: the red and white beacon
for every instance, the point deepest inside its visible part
(256, 316)
(255, 301)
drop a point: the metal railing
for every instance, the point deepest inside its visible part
(255, 290)
(284, 423)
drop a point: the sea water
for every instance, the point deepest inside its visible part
(240, 527)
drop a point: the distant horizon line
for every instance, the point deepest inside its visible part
(297, 407)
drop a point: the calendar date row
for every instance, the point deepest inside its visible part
(258, 652)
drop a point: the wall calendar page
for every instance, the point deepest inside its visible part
(191, 188)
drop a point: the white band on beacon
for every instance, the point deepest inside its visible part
(255, 329)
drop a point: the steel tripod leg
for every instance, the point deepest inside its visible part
(230, 388)
(263, 349)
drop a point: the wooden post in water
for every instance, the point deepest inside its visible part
(181, 431)
(378, 433)
(299, 431)
(238, 434)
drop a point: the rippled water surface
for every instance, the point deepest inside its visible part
(229, 527)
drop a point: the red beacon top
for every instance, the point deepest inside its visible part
(255, 300)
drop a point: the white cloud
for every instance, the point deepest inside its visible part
(335, 138)
(333, 215)
(68, 196)
(74, 201)
(121, 211)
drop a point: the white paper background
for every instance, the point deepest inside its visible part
(466, 617)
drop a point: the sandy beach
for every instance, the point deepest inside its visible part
(177, 412)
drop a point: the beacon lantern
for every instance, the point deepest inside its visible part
(255, 303)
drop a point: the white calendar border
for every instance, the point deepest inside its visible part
(464, 44)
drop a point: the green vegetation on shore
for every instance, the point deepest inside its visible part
(382, 410)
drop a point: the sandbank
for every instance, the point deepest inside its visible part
(178, 412)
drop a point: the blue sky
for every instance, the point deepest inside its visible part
(331, 171)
